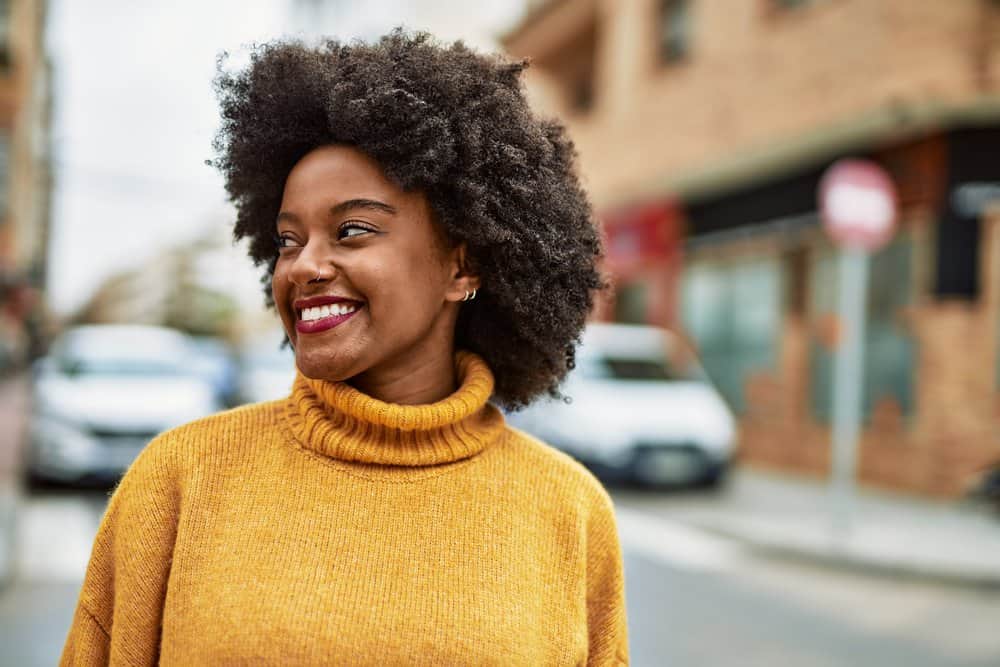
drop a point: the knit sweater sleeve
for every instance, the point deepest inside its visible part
(119, 612)
(605, 589)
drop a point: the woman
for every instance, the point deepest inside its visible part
(428, 248)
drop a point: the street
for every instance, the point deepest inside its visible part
(693, 599)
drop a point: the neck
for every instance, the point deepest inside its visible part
(427, 380)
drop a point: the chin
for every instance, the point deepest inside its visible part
(319, 364)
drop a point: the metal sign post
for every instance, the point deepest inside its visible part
(858, 207)
(848, 379)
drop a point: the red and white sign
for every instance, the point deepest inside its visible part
(858, 204)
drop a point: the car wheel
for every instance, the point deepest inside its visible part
(714, 477)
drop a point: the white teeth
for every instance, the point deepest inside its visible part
(319, 312)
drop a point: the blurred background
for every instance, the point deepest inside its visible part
(704, 128)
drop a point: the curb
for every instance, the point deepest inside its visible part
(854, 562)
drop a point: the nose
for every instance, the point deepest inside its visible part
(313, 264)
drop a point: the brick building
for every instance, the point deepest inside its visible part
(703, 127)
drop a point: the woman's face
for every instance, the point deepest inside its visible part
(365, 283)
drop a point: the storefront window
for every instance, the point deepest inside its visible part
(675, 30)
(631, 302)
(889, 349)
(733, 311)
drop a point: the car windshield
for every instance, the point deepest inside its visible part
(101, 350)
(118, 367)
(621, 368)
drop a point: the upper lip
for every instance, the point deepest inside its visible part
(314, 301)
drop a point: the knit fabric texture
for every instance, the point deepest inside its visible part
(333, 528)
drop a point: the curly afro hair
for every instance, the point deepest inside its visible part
(451, 123)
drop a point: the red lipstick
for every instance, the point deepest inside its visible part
(331, 319)
(323, 323)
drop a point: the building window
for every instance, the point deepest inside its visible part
(733, 311)
(890, 351)
(790, 4)
(572, 64)
(582, 93)
(797, 283)
(4, 35)
(675, 30)
(957, 261)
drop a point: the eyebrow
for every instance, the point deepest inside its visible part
(349, 205)
(372, 204)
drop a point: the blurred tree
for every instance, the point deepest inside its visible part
(171, 289)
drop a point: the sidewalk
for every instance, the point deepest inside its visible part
(14, 407)
(789, 516)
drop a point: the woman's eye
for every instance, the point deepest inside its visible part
(285, 241)
(352, 229)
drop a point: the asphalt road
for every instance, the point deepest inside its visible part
(693, 599)
(680, 617)
(697, 599)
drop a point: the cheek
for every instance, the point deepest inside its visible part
(410, 283)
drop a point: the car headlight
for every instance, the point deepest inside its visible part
(62, 440)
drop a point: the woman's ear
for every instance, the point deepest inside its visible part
(464, 278)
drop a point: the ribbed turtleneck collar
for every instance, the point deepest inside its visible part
(338, 421)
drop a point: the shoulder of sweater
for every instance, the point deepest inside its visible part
(545, 460)
(188, 441)
(164, 465)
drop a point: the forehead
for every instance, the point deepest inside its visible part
(331, 174)
(329, 171)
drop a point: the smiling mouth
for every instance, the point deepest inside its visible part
(327, 316)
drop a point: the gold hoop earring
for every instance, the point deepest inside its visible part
(469, 297)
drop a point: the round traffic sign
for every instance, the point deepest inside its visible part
(858, 204)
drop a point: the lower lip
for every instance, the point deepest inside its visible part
(324, 323)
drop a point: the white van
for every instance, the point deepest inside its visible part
(640, 409)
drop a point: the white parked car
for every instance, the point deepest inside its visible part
(104, 392)
(640, 409)
(267, 370)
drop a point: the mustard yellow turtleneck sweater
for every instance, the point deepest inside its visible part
(332, 528)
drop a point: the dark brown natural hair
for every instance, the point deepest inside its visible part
(455, 125)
